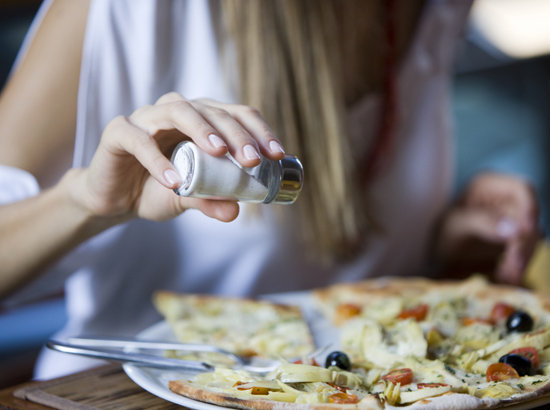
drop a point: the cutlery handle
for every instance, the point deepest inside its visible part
(134, 358)
(93, 342)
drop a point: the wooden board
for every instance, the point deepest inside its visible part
(105, 387)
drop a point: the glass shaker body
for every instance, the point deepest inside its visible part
(206, 176)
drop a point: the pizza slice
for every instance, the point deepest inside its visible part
(245, 327)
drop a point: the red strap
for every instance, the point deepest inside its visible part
(380, 148)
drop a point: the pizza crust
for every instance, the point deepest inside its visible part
(448, 401)
(476, 287)
(174, 305)
(223, 399)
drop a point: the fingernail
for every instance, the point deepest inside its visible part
(274, 146)
(250, 152)
(172, 178)
(216, 141)
(507, 228)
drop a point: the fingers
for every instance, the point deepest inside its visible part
(516, 256)
(215, 127)
(182, 116)
(512, 264)
(251, 122)
(511, 203)
(507, 195)
(464, 223)
(475, 240)
(121, 136)
(242, 145)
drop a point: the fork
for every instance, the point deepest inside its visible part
(108, 349)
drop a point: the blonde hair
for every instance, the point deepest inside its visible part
(290, 60)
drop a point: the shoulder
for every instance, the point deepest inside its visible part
(47, 71)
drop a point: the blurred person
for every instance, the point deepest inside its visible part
(103, 90)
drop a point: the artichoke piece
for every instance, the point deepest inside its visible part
(223, 378)
(409, 339)
(392, 393)
(346, 379)
(444, 316)
(419, 394)
(498, 391)
(384, 310)
(374, 349)
(477, 335)
(301, 373)
(467, 360)
(404, 339)
(282, 396)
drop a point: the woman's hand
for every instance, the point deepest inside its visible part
(130, 174)
(492, 229)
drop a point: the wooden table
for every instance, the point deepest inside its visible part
(106, 387)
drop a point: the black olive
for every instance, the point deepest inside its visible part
(519, 321)
(523, 365)
(338, 359)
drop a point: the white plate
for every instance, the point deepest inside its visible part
(155, 381)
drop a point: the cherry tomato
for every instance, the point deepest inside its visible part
(501, 311)
(346, 311)
(403, 376)
(530, 353)
(418, 313)
(500, 371)
(424, 385)
(467, 321)
(343, 398)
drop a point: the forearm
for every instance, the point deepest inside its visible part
(36, 232)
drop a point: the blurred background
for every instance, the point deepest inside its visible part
(501, 106)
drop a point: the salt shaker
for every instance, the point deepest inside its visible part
(206, 176)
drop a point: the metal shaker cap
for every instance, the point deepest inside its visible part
(292, 178)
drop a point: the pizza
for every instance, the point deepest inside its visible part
(246, 327)
(402, 343)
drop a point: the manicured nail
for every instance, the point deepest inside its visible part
(250, 152)
(216, 141)
(507, 228)
(274, 146)
(172, 178)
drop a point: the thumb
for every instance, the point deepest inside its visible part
(483, 225)
(512, 264)
(506, 228)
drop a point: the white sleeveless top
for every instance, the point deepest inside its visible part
(137, 50)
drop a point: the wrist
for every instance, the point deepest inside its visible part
(82, 206)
